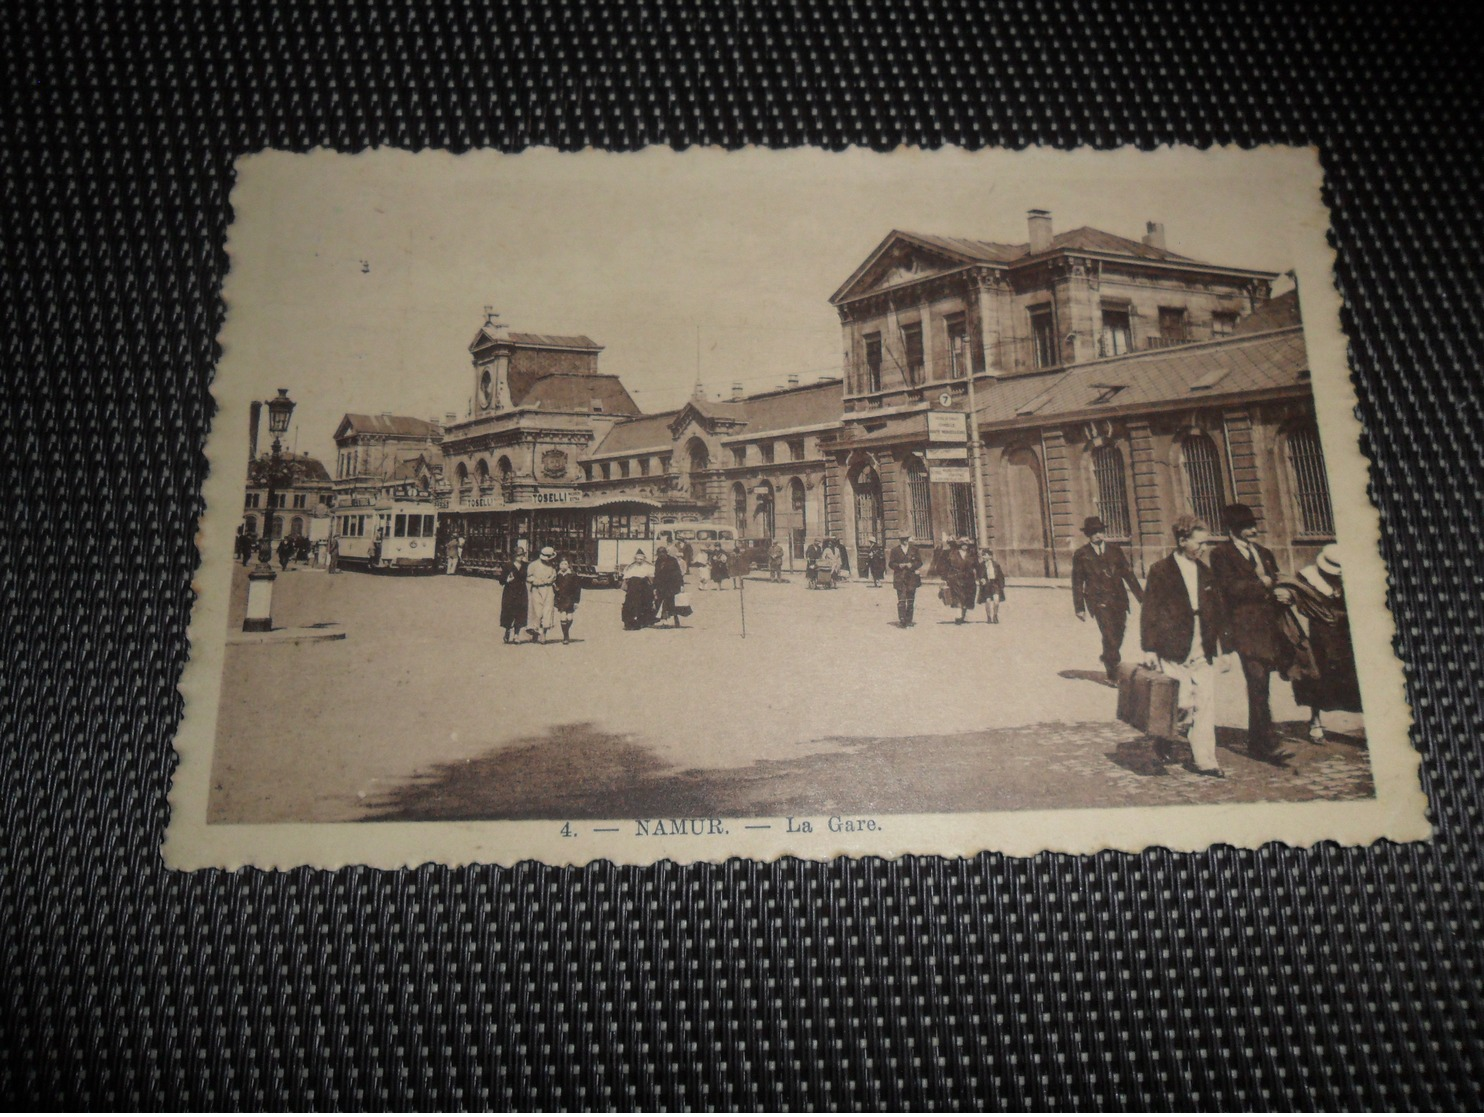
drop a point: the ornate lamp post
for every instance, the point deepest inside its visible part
(260, 579)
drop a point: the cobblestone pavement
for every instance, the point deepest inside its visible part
(825, 706)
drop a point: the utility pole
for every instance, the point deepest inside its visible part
(976, 477)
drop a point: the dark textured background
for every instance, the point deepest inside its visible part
(1242, 979)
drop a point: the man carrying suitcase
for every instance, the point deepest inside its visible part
(1181, 628)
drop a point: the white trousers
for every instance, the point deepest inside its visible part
(1197, 679)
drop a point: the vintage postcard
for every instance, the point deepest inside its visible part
(756, 504)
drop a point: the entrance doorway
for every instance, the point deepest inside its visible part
(1027, 547)
(869, 520)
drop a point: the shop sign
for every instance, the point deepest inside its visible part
(947, 426)
(948, 474)
(558, 496)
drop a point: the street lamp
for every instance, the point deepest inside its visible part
(277, 472)
(975, 475)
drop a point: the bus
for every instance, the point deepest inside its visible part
(398, 535)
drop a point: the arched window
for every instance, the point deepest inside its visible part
(869, 518)
(296, 526)
(505, 469)
(800, 530)
(763, 512)
(1203, 478)
(278, 527)
(250, 525)
(482, 473)
(700, 457)
(919, 497)
(1112, 492)
(739, 507)
(1316, 515)
(461, 474)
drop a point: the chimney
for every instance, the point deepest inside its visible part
(254, 418)
(1039, 222)
(1154, 235)
(736, 390)
(793, 381)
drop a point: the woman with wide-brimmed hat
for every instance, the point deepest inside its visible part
(1325, 679)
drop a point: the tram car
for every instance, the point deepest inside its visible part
(399, 536)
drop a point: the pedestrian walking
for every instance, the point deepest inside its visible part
(1327, 680)
(873, 561)
(541, 597)
(719, 571)
(285, 553)
(905, 563)
(991, 585)
(961, 577)
(638, 599)
(455, 553)
(668, 581)
(332, 554)
(775, 562)
(1181, 629)
(514, 602)
(811, 563)
(842, 558)
(567, 592)
(1102, 579)
(687, 556)
(1247, 576)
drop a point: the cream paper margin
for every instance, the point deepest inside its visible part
(1398, 812)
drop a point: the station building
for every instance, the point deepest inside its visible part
(1111, 377)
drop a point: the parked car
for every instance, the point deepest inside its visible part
(753, 553)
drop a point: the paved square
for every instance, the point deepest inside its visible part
(824, 707)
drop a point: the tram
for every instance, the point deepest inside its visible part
(396, 535)
(598, 539)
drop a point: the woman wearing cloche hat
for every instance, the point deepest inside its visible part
(1329, 682)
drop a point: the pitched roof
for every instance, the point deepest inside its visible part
(304, 468)
(1187, 374)
(787, 408)
(1275, 314)
(643, 432)
(400, 425)
(1084, 239)
(570, 391)
(555, 341)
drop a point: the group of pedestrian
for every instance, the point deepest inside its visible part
(1212, 597)
(716, 568)
(652, 591)
(971, 578)
(826, 556)
(538, 596)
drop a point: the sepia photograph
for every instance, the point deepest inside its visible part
(717, 504)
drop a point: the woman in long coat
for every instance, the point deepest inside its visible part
(638, 594)
(873, 561)
(514, 601)
(991, 585)
(1327, 681)
(719, 571)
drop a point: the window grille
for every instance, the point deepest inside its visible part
(739, 508)
(1203, 479)
(961, 507)
(1310, 484)
(919, 498)
(868, 511)
(1107, 472)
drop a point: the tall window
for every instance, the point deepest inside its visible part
(254, 500)
(739, 508)
(873, 362)
(739, 455)
(643, 467)
(796, 450)
(919, 497)
(1203, 478)
(1107, 472)
(482, 473)
(801, 517)
(623, 469)
(301, 500)
(957, 329)
(1223, 323)
(1316, 515)
(961, 507)
(766, 448)
(1118, 334)
(912, 351)
(1043, 338)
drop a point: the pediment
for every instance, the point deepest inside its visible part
(899, 261)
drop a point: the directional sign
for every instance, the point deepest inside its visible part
(947, 454)
(949, 474)
(947, 426)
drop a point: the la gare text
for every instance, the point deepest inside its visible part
(715, 827)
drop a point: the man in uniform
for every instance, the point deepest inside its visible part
(1101, 581)
(905, 562)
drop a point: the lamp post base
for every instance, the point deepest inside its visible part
(259, 616)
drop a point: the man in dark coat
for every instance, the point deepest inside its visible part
(905, 563)
(1101, 582)
(1247, 576)
(668, 581)
(1181, 627)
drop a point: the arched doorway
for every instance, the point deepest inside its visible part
(869, 518)
(799, 528)
(1027, 548)
(763, 512)
(739, 508)
(296, 526)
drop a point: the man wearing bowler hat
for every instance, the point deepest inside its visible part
(1101, 582)
(905, 562)
(1247, 576)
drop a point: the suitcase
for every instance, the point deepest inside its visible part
(1148, 700)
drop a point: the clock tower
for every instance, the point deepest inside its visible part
(491, 350)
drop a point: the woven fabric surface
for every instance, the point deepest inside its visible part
(1248, 979)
